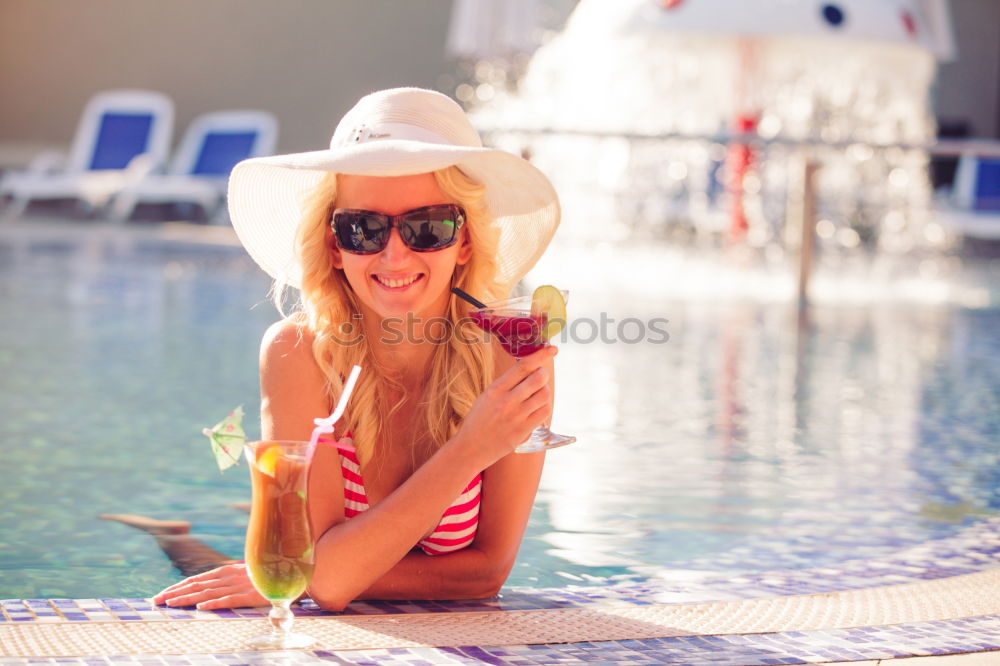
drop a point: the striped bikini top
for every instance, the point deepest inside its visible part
(458, 524)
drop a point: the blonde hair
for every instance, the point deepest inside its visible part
(461, 367)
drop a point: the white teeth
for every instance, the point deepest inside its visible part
(393, 282)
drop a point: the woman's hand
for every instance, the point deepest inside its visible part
(504, 415)
(227, 586)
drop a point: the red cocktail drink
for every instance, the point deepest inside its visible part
(519, 333)
(522, 328)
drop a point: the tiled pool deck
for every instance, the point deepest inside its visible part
(941, 598)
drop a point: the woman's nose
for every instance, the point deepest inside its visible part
(395, 250)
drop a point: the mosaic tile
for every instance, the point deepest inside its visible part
(974, 549)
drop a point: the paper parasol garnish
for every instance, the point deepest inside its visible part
(227, 438)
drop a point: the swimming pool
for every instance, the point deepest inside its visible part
(738, 444)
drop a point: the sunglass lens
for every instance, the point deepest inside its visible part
(422, 229)
(431, 228)
(361, 232)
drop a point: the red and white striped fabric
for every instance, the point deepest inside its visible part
(457, 528)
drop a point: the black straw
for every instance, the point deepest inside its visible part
(464, 296)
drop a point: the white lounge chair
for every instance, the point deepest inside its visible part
(119, 131)
(199, 172)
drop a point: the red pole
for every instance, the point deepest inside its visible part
(739, 161)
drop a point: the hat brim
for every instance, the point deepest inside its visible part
(266, 197)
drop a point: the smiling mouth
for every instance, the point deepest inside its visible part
(396, 282)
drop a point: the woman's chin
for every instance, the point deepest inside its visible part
(395, 307)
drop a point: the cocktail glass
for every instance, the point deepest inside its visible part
(520, 332)
(279, 546)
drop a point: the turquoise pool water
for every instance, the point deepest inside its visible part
(740, 444)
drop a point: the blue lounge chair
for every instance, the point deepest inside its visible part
(199, 171)
(974, 208)
(119, 131)
(977, 183)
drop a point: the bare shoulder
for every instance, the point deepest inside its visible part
(286, 350)
(288, 337)
(292, 385)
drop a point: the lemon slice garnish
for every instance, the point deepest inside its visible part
(549, 301)
(267, 462)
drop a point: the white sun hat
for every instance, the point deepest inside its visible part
(397, 132)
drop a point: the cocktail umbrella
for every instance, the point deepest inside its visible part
(227, 438)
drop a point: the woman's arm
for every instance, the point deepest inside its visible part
(353, 557)
(479, 570)
(368, 555)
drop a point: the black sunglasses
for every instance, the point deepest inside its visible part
(422, 229)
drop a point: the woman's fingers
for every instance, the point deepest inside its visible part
(187, 586)
(211, 574)
(531, 390)
(526, 389)
(193, 599)
(535, 381)
(537, 392)
(535, 406)
(229, 582)
(191, 594)
(225, 595)
(237, 599)
(517, 401)
(524, 367)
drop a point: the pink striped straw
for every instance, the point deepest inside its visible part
(326, 425)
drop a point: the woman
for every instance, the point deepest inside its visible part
(431, 503)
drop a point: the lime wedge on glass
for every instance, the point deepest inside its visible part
(547, 300)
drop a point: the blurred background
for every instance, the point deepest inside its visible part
(635, 110)
(806, 191)
(308, 62)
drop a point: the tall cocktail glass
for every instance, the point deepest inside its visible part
(521, 332)
(279, 545)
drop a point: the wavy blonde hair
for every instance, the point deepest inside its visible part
(461, 367)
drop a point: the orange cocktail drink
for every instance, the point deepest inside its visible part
(279, 545)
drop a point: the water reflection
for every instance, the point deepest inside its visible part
(745, 439)
(756, 438)
(112, 351)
